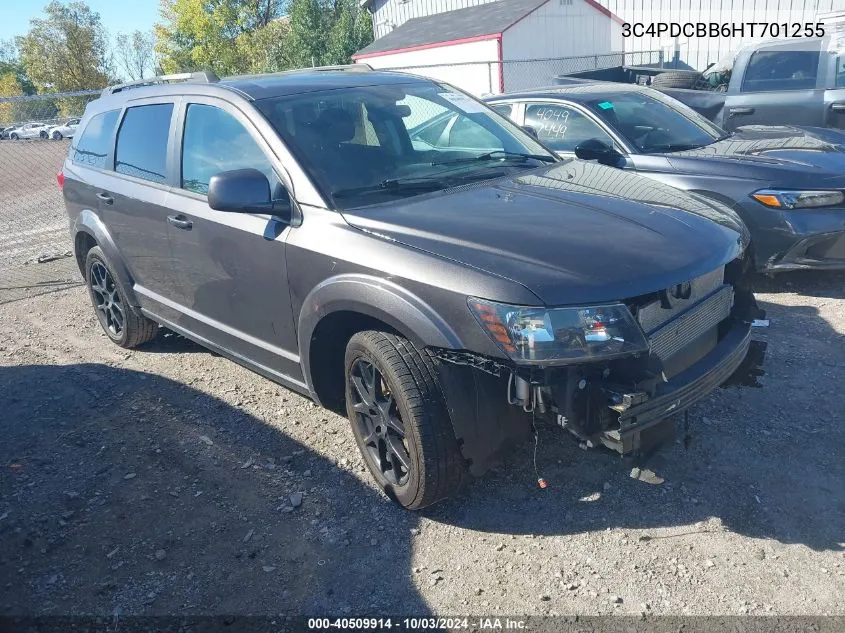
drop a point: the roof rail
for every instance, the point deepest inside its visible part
(204, 76)
(352, 68)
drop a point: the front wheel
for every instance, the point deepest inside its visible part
(14, 136)
(57, 136)
(400, 419)
(119, 320)
(43, 134)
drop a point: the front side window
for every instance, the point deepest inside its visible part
(562, 127)
(365, 145)
(781, 70)
(94, 144)
(214, 141)
(142, 142)
(654, 123)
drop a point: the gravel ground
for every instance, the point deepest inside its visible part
(172, 481)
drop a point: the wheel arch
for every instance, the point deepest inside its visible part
(344, 305)
(90, 231)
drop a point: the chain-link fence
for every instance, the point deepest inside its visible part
(494, 77)
(35, 249)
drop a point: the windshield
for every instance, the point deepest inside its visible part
(654, 123)
(370, 144)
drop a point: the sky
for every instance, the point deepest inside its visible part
(116, 15)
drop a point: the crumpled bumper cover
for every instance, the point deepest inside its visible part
(691, 385)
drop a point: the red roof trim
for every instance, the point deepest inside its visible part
(518, 20)
(605, 10)
(422, 47)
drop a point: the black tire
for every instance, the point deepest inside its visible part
(676, 79)
(43, 134)
(14, 136)
(57, 136)
(406, 381)
(109, 300)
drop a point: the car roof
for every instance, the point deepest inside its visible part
(580, 92)
(256, 87)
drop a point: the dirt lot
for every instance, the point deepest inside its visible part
(171, 481)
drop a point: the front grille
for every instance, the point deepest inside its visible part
(653, 315)
(671, 337)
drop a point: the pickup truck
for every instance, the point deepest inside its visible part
(771, 83)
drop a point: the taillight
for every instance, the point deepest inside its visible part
(60, 178)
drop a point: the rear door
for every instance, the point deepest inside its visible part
(133, 197)
(778, 86)
(234, 289)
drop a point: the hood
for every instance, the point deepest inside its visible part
(774, 152)
(571, 233)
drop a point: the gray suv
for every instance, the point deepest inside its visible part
(445, 289)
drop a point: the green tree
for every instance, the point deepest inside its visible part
(135, 54)
(10, 63)
(9, 87)
(218, 35)
(352, 30)
(309, 35)
(67, 49)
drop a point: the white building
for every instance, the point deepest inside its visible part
(389, 15)
(477, 47)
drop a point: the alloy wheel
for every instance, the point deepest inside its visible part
(379, 423)
(107, 300)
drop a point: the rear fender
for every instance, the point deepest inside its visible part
(88, 222)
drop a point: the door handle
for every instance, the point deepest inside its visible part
(106, 198)
(180, 221)
(838, 107)
(736, 111)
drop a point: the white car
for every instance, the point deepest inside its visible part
(65, 130)
(29, 130)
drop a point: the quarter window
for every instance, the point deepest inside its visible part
(213, 142)
(93, 146)
(142, 142)
(561, 127)
(781, 70)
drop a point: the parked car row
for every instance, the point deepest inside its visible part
(445, 274)
(37, 129)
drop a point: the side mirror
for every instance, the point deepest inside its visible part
(594, 149)
(241, 191)
(530, 131)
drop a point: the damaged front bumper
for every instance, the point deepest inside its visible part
(617, 403)
(685, 389)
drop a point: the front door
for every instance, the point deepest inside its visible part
(779, 87)
(234, 290)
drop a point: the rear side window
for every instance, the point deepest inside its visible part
(781, 70)
(563, 128)
(213, 142)
(142, 142)
(93, 146)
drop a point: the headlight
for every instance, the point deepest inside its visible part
(560, 335)
(791, 199)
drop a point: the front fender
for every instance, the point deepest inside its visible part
(378, 298)
(89, 223)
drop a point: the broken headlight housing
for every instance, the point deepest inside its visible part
(560, 335)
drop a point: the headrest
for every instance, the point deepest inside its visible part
(336, 125)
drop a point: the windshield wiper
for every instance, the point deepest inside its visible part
(670, 147)
(497, 153)
(394, 186)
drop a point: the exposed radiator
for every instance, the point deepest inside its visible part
(681, 330)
